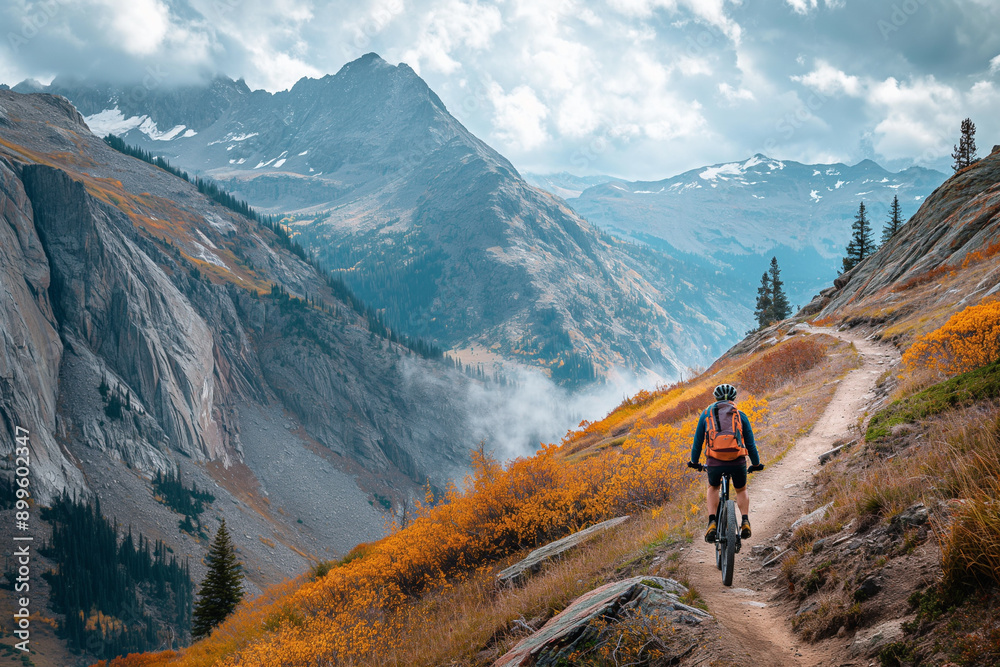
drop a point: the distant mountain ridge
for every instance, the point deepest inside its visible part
(428, 223)
(736, 215)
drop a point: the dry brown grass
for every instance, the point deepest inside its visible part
(473, 622)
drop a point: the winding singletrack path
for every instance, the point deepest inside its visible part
(777, 498)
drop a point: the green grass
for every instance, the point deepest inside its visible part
(980, 384)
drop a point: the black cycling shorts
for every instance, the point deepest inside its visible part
(737, 473)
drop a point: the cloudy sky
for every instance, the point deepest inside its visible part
(632, 88)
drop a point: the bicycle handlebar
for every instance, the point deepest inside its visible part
(701, 468)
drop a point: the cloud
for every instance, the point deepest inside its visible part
(918, 117)
(518, 117)
(735, 94)
(831, 81)
(451, 25)
(806, 6)
(141, 26)
(634, 88)
(514, 419)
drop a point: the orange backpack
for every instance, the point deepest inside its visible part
(725, 432)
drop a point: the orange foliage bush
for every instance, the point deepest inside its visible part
(925, 277)
(684, 408)
(977, 256)
(778, 366)
(353, 612)
(968, 340)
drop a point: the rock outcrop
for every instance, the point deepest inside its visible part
(575, 626)
(519, 572)
(960, 218)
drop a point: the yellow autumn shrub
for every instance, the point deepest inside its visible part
(968, 340)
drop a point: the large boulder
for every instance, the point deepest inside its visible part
(570, 630)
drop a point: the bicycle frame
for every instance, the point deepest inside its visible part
(725, 554)
(723, 497)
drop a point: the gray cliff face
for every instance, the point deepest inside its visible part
(31, 350)
(110, 296)
(118, 274)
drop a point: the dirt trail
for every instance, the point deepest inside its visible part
(777, 498)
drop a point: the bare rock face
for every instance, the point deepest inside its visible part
(30, 347)
(569, 630)
(960, 217)
(103, 303)
(112, 297)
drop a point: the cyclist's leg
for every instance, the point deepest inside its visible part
(743, 500)
(739, 474)
(712, 499)
(714, 485)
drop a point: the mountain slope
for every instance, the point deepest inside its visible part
(739, 214)
(431, 225)
(232, 359)
(896, 563)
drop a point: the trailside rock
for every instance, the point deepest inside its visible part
(517, 573)
(812, 517)
(569, 630)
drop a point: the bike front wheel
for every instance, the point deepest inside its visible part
(727, 536)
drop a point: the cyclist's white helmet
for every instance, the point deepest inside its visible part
(725, 392)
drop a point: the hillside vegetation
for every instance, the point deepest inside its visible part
(396, 597)
(918, 495)
(426, 594)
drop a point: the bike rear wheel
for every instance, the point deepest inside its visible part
(721, 518)
(727, 535)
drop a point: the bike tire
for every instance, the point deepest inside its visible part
(729, 543)
(721, 518)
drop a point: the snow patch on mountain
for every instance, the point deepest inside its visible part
(207, 255)
(113, 121)
(736, 169)
(231, 137)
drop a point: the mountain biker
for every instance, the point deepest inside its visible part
(736, 466)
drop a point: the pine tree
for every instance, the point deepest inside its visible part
(862, 244)
(965, 152)
(222, 587)
(894, 223)
(763, 309)
(779, 301)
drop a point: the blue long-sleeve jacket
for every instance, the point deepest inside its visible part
(699, 440)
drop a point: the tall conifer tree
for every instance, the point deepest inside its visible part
(965, 152)
(779, 301)
(862, 244)
(222, 587)
(895, 221)
(763, 309)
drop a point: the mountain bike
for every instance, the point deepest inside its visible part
(727, 535)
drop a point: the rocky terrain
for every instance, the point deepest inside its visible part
(428, 223)
(122, 283)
